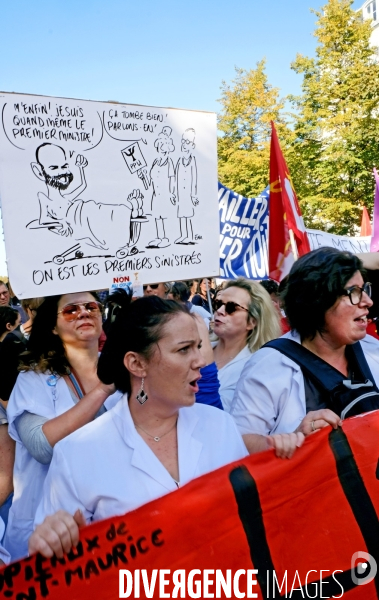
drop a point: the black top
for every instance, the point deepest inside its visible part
(198, 300)
(10, 350)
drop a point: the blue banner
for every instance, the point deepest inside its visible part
(244, 234)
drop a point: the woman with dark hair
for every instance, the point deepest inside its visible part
(156, 435)
(56, 393)
(281, 390)
(181, 293)
(201, 297)
(10, 349)
(192, 286)
(209, 384)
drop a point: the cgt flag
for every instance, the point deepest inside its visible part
(285, 216)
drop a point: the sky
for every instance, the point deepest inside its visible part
(167, 53)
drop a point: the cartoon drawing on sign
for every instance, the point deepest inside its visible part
(162, 179)
(52, 168)
(107, 227)
(136, 162)
(186, 186)
(94, 188)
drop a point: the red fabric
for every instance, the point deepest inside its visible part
(371, 329)
(284, 325)
(284, 214)
(366, 228)
(102, 340)
(303, 517)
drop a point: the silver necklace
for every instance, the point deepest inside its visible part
(156, 438)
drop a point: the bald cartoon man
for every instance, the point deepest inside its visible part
(52, 168)
(100, 225)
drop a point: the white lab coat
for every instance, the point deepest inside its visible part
(34, 393)
(270, 395)
(106, 468)
(229, 376)
(199, 310)
(4, 555)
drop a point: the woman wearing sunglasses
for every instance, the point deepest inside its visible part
(56, 393)
(156, 289)
(244, 320)
(329, 367)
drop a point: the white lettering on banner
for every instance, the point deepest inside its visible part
(198, 584)
(244, 235)
(235, 251)
(243, 239)
(244, 220)
(223, 203)
(234, 218)
(231, 209)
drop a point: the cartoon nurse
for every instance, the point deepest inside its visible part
(186, 186)
(162, 179)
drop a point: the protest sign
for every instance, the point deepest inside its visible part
(244, 235)
(243, 229)
(356, 245)
(93, 191)
(295, 528)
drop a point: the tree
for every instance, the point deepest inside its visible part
(337, 124)
(248, 106)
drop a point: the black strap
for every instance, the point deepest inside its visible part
(362, 362)
(317, 370)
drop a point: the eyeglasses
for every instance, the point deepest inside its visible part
(230, 307)
(153, 286)
(355, 292)
(71, 312)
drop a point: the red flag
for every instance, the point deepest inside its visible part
(366, 228)
(285, 215)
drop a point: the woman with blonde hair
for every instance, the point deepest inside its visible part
(244, 320)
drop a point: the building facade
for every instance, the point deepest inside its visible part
(370, 10)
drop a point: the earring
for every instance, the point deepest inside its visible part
(142, 396)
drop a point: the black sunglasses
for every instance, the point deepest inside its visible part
(230, 307)
(153, 286)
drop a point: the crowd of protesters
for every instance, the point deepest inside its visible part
(169, 387)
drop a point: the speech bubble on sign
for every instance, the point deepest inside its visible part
(27, 123)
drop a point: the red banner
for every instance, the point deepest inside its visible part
(284, 215)
(300, 528)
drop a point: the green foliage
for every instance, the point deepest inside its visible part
(332, 143)
(337, 125)
(341, 217)
(248, 106)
